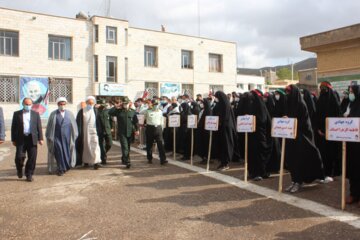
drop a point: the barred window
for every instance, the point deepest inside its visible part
(152, 88)
(60, 87)
(9, 89)
(188, 89)
(215, 88)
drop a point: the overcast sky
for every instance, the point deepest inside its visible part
(267, 32)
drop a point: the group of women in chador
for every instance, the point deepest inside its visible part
(308, 157)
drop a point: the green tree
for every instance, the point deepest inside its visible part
(283, 73)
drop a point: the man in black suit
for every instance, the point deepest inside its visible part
(26, 132)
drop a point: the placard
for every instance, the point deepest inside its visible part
(141, 119)
(284, 128)
(212, 123)
(246, 123)
(112, 89)
(343, 129)
(192, 121)
(174, 121)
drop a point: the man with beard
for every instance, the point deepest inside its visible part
(302, 156)
(328, 106)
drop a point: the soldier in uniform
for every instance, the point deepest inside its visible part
(104, 130)
(127, 127)
(154, 125)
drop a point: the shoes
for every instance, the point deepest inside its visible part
(224, 168)
(220, 166)
(288, 189)
(350, 199)
(128, 165)
(257, 178)
(86, 165)
(103, 162)
(296, 188)
(19, 174)
(328, 179)
(29, 179)
(60, 173)
(164, 162)
(97, 166)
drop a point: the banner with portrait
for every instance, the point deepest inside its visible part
(36, 88)
(170, 89)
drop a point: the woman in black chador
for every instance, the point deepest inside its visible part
(310, 104)
(302, 156)
(184, 132)
(353, 150)
(202, 134)
(225, 139)
(328, 106)
(260, 142)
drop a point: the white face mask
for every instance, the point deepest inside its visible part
(277, 97)
(351, 97)
(61, 108)
(237, 99)
(216, 100)
(201, 105)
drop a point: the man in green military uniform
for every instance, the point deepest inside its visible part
(104, 123)
(127, 127)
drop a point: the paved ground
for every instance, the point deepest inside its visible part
(154, 202)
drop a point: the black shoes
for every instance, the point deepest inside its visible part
(60, 173)
(97, 166)
(29, 179)
(164, 162)
(19, 174)
(150, 161)
(128, 165)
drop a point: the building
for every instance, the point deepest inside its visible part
(50, 56)
(338, 55)
(245, 83)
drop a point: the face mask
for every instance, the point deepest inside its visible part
(216, 100)
(277, 97)
(346, 96)
(351, 97)
(89, 107)
(27, 107)
(237, 99)
(201, 105)
(61, 108)
(180, 101)
(163, 102)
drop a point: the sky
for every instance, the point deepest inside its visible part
(267, 32)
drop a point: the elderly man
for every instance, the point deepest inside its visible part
(26, 133)
(87, 144)
(127, 127)
(2, 127)
(61, 133)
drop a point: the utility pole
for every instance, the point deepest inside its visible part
(107, 7)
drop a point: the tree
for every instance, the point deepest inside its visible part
(283, 73)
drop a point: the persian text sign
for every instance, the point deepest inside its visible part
(343, 129)
(192, 121)
(174, 121)
(246, 123)
(141, 119)
(284, 128)
(212, 123)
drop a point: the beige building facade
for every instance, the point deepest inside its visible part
(105, 57)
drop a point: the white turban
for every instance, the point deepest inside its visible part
(91, 98)
(61, 99)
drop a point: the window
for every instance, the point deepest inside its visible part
(60, 87)
(9, 89)
(96, 68)
(215, 62)
(96, 33)
(111, 35)
(150, 56)
(152, 88)
(259, 86)
(240, 86)
(59, 48)
(126, 36)
(126, 69)
(186, 59)
(9, 43)
(111, 69)
(215, 88)
(188, 89)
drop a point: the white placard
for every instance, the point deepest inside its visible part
(343, 129)
(192, 121)
(174, 121)
(246, 123)
(212, 123)
(141, 119)
(284, 128)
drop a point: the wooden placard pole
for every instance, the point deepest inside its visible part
(282, 165)
(246, 157)
(192, 147)
(174, 142)
(343, 177)
(209, 152)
